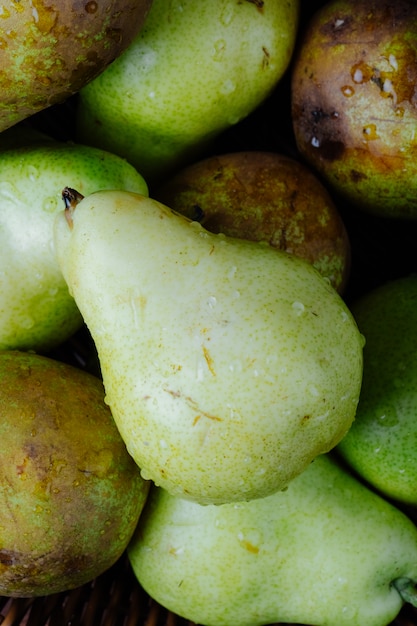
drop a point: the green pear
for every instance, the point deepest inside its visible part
(70, 494)
(36, 310)
(381, 445)
(228, 364)
(326, 551)
(194, 69)
(49, 50)
(353, 102)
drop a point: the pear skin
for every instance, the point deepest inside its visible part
(36, 310)
(326, 551)
(353, 102)
(70, 494)
(49, 50)
(381, 445)
(228, 365)
(194, 70)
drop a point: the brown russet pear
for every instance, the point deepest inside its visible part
(50, 49)
(70, 494)
(264, 196)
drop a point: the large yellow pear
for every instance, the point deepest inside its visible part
(228, 365)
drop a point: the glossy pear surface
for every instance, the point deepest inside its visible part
(381, 445)
(50, 49)
(228, 365)
(325, 551)
(194, 69)
(354, 102)
(70, 493)
(36, 310)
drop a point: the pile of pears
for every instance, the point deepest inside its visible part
(187, 375)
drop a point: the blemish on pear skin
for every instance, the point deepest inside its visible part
(209, 361)
(258, 3)
(250, 547)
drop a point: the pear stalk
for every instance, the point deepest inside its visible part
(71, 198)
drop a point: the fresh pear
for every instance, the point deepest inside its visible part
(326, 551)
(353, 104)
(70, 493)
(49, 50)
(228, 365)
(193, 70)
(264, 196)
(381, 445)
(36, 310)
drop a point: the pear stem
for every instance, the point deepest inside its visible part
(71, 198)
(407, 590)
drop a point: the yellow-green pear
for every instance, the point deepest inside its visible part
(194, 69)
(327, 551)
(382, 443)
(36, 310)
(228, 364)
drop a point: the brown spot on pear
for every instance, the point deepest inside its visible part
(70, 494)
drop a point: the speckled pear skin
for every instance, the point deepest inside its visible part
(381, 445)
(228, 365)
(49, 49)
(36, 310)
(70, 493)
(194, 70)
(353, 104)
(325, 551)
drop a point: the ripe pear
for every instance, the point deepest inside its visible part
(264, 196)
(325, 551)
(49, 50)
(36, 310)
(381, 445)
(228, 364)
(194, 70)
(353, 102)
(70, 493)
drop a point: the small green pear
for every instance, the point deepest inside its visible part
(194, 69)
(326, 551)
(36, 310)
(70, 494)
(228, 364)
(381, 445)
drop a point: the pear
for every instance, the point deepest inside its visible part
(264, 196)
(49, 50)
(353, 102)
(326, 551)
(228, 365)
(193, 70)
(70, 494)
(381, 445)
(36, 310)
